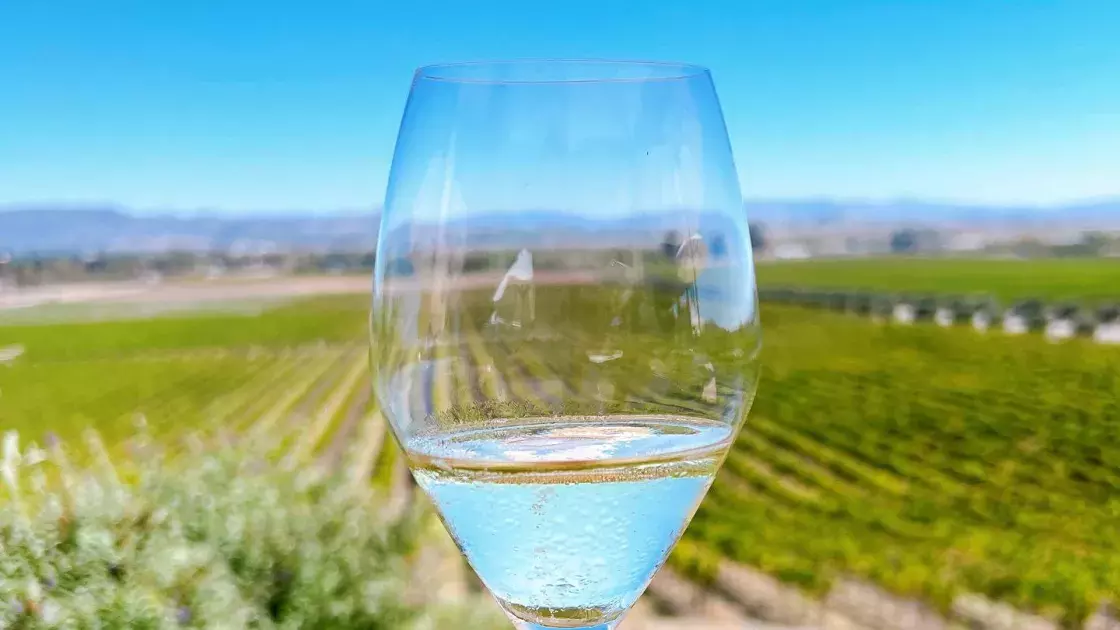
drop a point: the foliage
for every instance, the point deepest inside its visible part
(221, 540)
(1083, 280)
(904, 241)
(931, 461)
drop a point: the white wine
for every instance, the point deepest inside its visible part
(566, 520)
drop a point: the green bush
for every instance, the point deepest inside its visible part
(206, 540)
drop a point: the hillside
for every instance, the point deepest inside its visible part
(61, 228)
(54, 229)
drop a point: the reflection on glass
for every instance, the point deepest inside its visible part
(564, 329)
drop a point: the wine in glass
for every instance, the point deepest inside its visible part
(564, 332)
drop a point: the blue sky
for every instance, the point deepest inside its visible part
(292, 105)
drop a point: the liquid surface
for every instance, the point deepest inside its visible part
(567, 520)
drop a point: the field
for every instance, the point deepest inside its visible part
(928, 461)
(264, 435)
(290, 381)
(1081, 280)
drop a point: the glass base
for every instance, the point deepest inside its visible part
(526, 618)
(524, 625)
(564, 624)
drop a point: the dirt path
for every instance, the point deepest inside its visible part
(643, 617)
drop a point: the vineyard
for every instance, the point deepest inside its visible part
(1090, 280)
(931, 462)
(290, 384)
(176, 373)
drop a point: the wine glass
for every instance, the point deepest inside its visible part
(564, 329)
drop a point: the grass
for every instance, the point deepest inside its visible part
(327, 319)
(56, 313)
(1091, 280)
(170, 369)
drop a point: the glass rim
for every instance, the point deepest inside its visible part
(506, 71)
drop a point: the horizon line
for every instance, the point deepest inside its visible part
(216, 211)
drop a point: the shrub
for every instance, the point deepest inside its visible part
(208, 540)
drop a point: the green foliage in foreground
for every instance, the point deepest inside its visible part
(1090, 280)
(207, 541)
(930, 461)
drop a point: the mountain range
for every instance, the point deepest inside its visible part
(1095, 214)
(68, 229)
(75, 230)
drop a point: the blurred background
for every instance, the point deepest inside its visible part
(189, 201)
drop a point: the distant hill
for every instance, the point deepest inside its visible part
(56, 229)
(1101, 214)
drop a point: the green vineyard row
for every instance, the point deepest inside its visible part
(1053, 280)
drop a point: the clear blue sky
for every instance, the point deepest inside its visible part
(281, 105)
